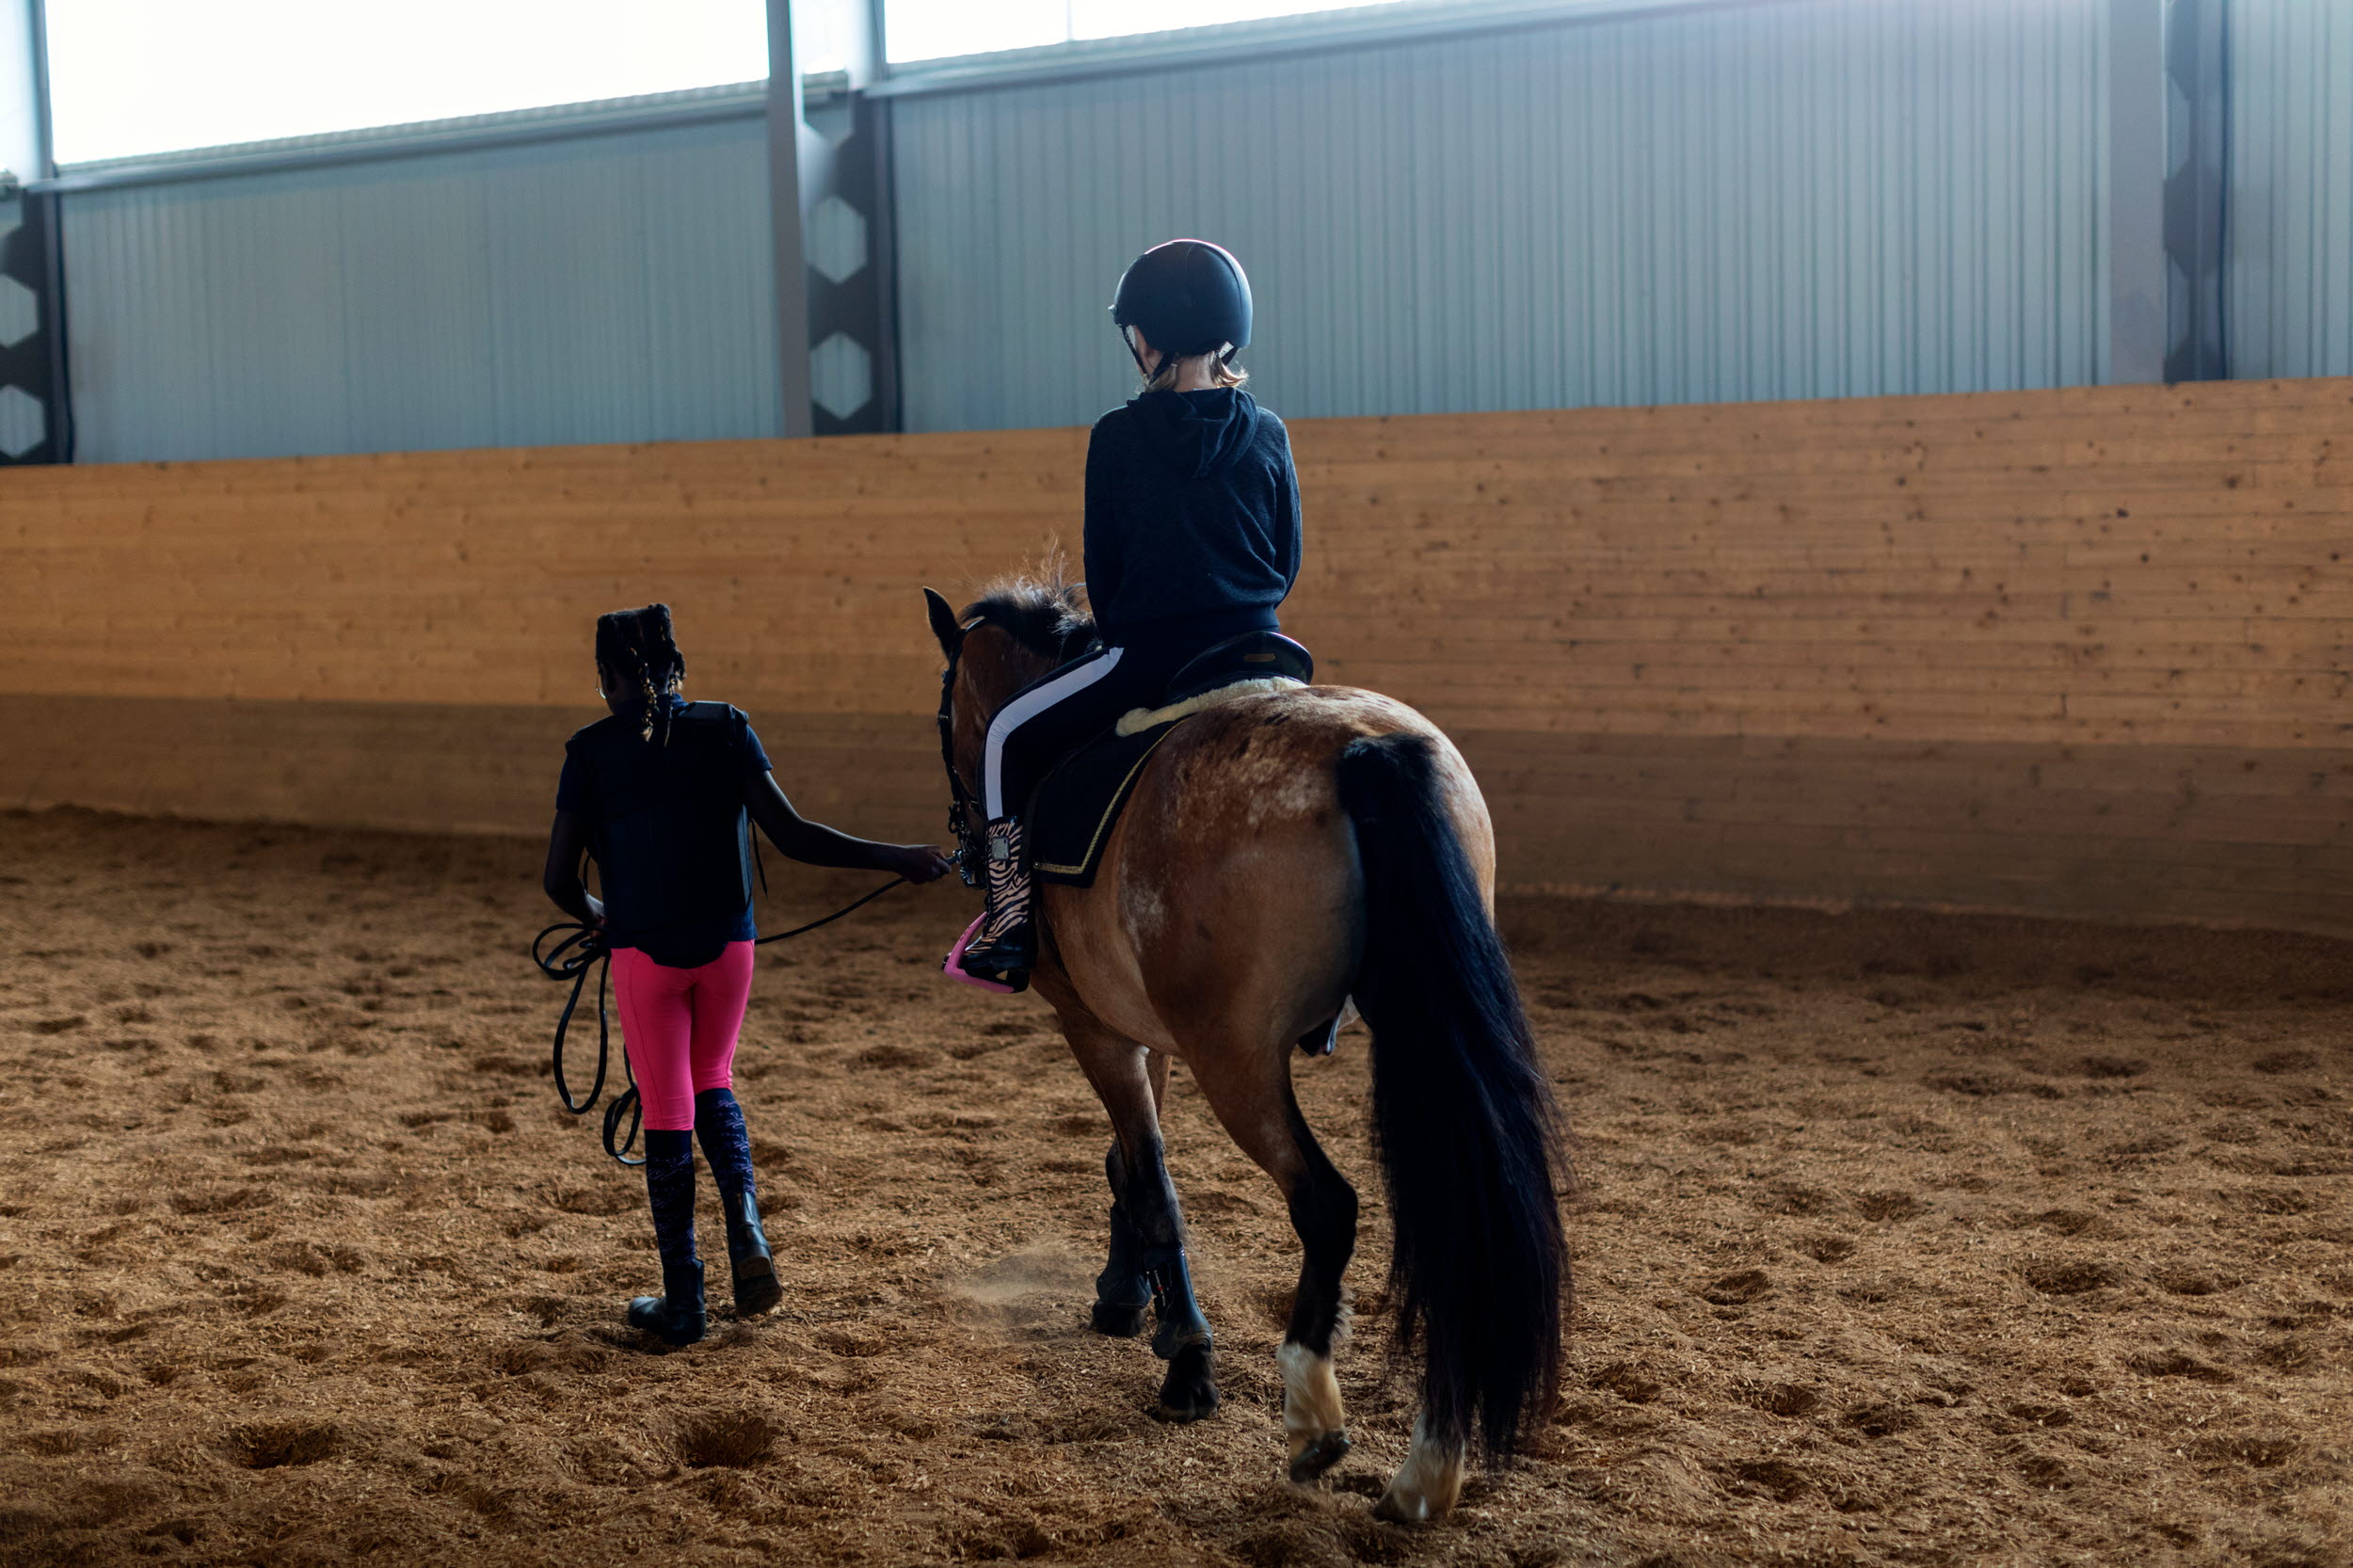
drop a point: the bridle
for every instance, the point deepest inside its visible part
(965, 816)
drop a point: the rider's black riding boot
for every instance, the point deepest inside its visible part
(1005, 946)
(750, 1264)
(719, 1123)
(677, 1315)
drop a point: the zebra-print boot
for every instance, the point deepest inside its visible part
(1005, 946)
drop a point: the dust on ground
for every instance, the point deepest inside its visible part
(1904, 1240)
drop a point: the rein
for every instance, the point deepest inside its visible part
(585, 948)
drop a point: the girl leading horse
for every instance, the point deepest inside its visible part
(1283, 855)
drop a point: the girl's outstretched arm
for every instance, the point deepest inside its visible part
(568, 845)
(815, 844)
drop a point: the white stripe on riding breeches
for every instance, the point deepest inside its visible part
(1067, 681)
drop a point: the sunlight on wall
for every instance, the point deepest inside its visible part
(937, 29)
(141, 76)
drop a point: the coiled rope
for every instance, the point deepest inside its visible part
(583, 948)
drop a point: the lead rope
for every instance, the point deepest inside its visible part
(585, 948)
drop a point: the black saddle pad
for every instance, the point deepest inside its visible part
(1074, 811)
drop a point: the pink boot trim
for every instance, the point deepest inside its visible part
(954, 969)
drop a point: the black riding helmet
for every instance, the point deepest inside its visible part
(1188, 297)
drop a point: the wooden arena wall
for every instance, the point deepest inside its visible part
(2080, 652)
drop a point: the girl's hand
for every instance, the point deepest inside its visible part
(918, 863)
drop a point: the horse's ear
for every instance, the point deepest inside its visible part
(944, 624)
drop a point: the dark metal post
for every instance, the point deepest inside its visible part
(36, 412)
(787, 134)
(830, 182)
(2138, 291)
(2197, 73)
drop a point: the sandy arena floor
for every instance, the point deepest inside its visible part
(1904, 1241)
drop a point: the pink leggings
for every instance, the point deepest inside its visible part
(678, 1027)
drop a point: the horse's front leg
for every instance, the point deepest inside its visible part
(1122, 1293)
(1147, 1224)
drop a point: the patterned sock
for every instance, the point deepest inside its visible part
(670, 1192)
(719, 1123)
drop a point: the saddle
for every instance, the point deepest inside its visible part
(1075, 808)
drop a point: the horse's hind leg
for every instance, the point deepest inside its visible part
(1155, 1224)
(1255, 1102)
(1323, 1213)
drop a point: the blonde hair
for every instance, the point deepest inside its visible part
(1222, 371)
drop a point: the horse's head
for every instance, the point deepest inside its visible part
(1017, 630)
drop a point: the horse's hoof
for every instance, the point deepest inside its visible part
(1120, 1322)
(1400, 1512)
(1191, 1391)
(1318, 1456)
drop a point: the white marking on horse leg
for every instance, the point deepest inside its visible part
(1428, 1484)
(1313, 1418)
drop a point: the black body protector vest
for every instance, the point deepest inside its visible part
(672, 840)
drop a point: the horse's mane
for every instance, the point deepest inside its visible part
(1045, 610)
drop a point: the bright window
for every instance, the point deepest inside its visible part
(937, 29)
(129, 77)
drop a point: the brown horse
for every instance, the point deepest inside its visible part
(1283, 855)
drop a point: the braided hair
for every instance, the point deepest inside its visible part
(637, 647)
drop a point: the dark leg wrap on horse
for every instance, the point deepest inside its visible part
(677, 1315)
(1173, 1302)
(1122, 1294)
(1190, 1390)
(751, 1265)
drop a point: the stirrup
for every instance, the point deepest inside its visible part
(953, 969)
(996, 950)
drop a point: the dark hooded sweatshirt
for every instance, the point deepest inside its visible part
(1192, 520)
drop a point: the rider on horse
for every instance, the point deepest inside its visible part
(1192, 538)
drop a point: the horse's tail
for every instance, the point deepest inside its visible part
(1468, 1139)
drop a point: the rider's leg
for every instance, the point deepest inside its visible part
(1084, 695)
(656, 1027)
(1032, 717)
(722, 989)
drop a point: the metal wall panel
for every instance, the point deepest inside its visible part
(606, 288)
(2290, 198)
(1817, 199)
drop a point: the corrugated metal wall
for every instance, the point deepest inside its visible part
(1817, 199)
(2290, 225)
(608, 288)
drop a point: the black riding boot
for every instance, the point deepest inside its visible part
(1005, 947)
(750, 1264)
(677, 1315)
(719, 1123)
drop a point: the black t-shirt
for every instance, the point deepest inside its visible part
(670, 835)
